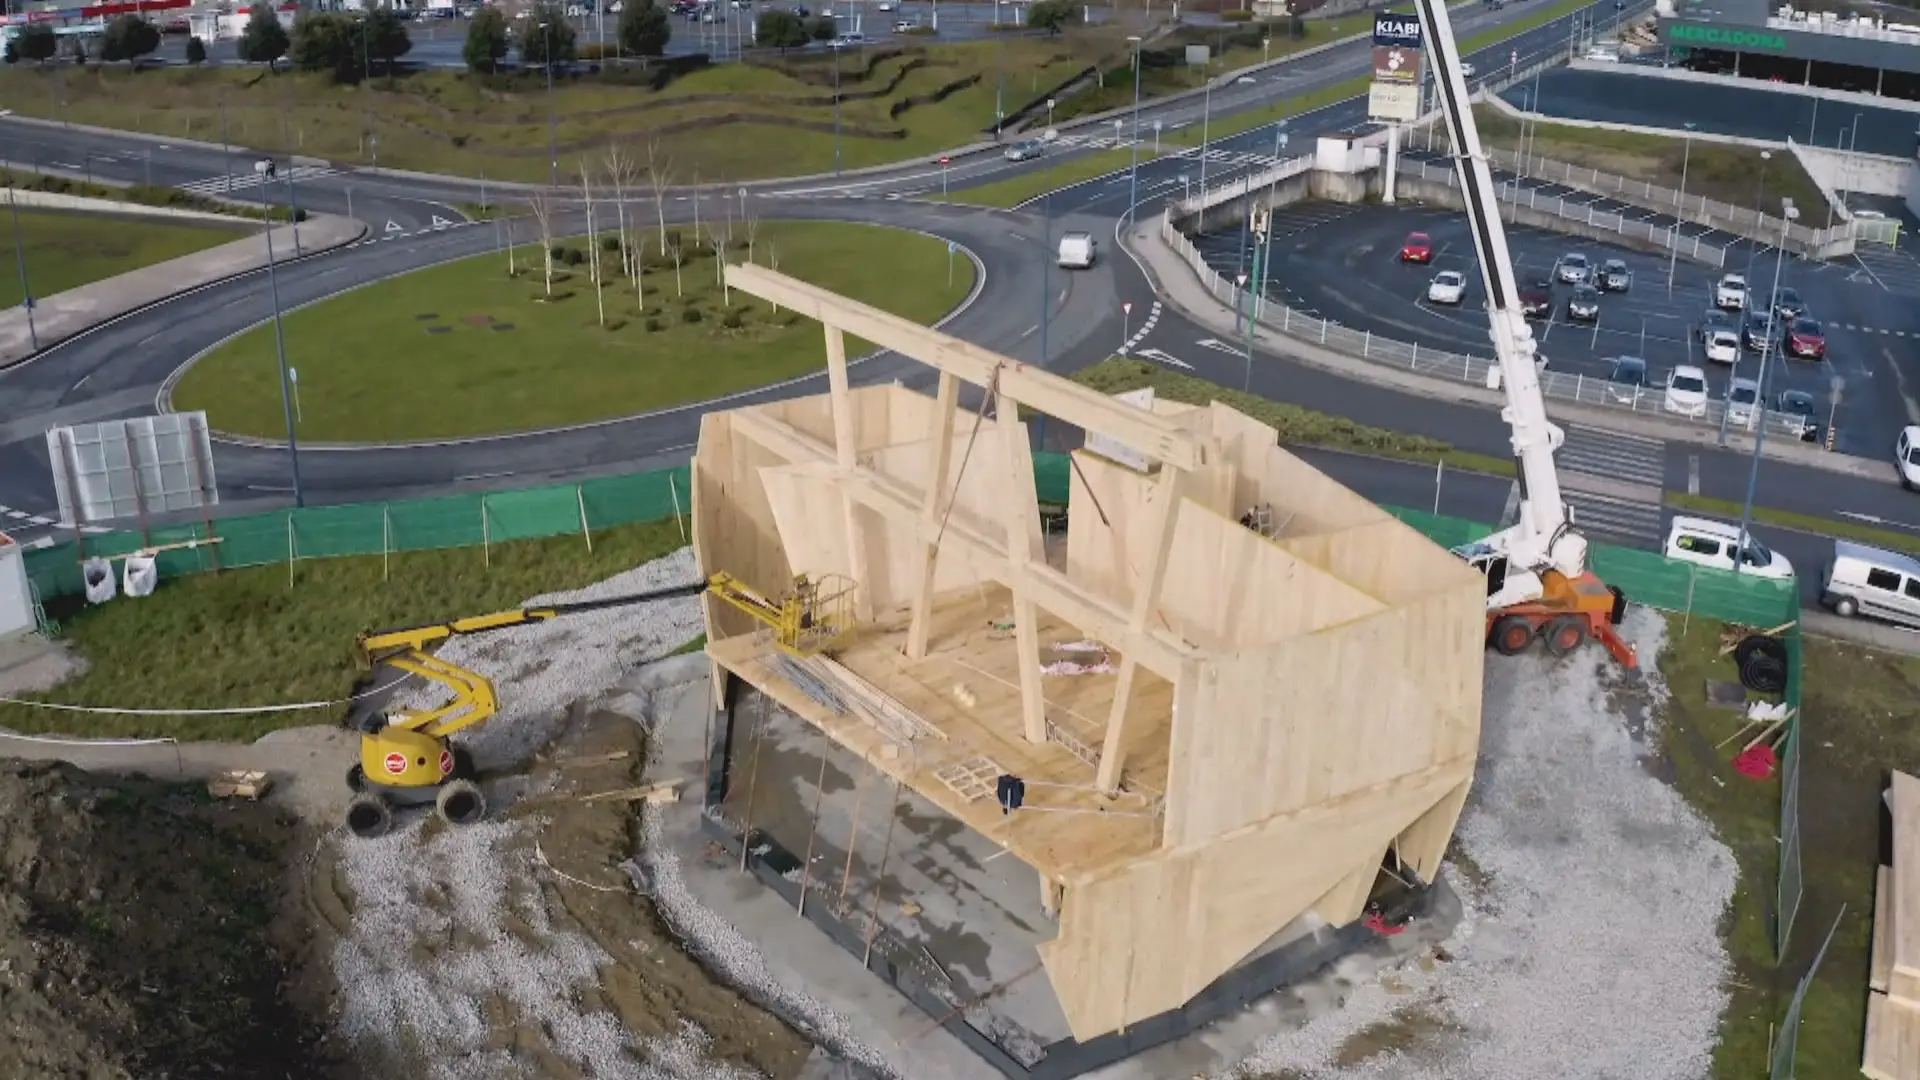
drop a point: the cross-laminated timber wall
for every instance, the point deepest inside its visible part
(1324, 673)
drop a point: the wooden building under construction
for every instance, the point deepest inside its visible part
(1217, 707)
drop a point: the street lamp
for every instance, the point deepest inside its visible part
(20, 258)
(1206, 116)
(1679, 207)
(1133, 172)
(1787, 215)
(366, 91)
(286, 390)
(553, 146)
(836, 109)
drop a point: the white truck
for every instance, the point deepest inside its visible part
(1076, 250)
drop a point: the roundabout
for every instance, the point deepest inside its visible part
(483, 346)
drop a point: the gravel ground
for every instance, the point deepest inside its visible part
(1590, 947)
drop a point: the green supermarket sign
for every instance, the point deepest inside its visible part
(1722, 38)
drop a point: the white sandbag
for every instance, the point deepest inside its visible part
(142, 574)
(97, 574)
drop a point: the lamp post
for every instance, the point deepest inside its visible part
(553, 146)
(1787, 215)
(366, 91)
(286, 382)
(1680, 205)
(836, 109)
(1206, 115)
(1133, 172)
(20, 259)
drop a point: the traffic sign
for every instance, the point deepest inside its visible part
(952, 247)
(1126, 308)
(293, 375)
(945, 161)
(1050, 103)
(396, 763)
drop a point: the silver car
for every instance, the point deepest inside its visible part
(1574, 269)
(1025, 150)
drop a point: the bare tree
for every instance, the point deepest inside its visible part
(676, 254)
(659, 178)
(542, 206)
(696, 204)
(773, 263)
(750, 225)
(593, 244)
(722, 237)
(621, 173)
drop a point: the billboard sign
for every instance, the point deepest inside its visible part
(1725, 37)
(1400, 30)
(1394, 64)
(137, 466)
(1393, 101)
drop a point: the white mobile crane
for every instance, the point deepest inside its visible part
(1538, 583)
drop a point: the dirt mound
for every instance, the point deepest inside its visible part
(138, 923)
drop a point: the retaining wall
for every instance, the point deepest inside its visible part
(55, 201)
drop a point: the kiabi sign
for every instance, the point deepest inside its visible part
(1401, 30)
(1719, 37)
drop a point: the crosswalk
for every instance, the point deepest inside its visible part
(1213, 156)
(221, 185)
(1619, 457)
(15, 522)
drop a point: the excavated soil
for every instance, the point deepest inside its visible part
(148, 933)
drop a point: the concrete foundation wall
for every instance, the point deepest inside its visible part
(54, 201)
(1868, 174)
(1317, 184)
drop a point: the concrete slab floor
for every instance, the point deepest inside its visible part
(954, 880)
(968, 915)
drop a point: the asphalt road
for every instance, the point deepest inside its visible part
(114, 371)
(1730, 106)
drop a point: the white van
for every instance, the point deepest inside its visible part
(1864, 580)
(1906, 457)
(1076, 250)
(1712, 543)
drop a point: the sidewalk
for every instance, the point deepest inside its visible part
(60, 317)
(1174, 281)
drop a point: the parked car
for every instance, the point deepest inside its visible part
(1722, 347)
(1800, 405)
(1756, 331)
(1447, 287)
(1467, 71)
(1584, 305)
(1025, 150)
(1574, 269)
(1536, 299)
(1715, 321)
(1687, 391)
(1806, 338)
(1906, 457)
(1731, 293)
(1705, 542)
(1615, 277)
(1628, 380)
(886, 5)
(1417, 249)
(903, 26)
(1788, 305)
(1743, 401)
(1863, 580)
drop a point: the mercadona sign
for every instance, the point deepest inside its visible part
(1719, 37)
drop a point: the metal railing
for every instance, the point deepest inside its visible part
(1515, 195)
(1556, 385)
(1207, 199)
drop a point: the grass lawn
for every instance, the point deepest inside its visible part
(1857, 724)
(67, 250)
(1297, 426)
(1029, 186)
(1719, 171)
(727, 122)
(245, 637)
(464, 349)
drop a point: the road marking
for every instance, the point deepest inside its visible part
(1165, 358)
(1220, 346)
(82, 382)
(481, 476)
(1874, 519)
(1153, 317)
(1693, 474)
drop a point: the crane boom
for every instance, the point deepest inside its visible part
(1543, 539)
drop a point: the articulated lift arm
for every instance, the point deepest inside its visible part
(1544, 538)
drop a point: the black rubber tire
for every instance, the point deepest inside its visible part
(461, 803)
(356, 778)
(1845, 607)
(1763, 674)
(1511, 634)
(1565, 634)
(1760, 645)
(463, 768)
(369, 817)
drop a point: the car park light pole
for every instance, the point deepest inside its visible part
(1787, 215)
(553, 147)
(20, 260)
(836, 117)
(286, 382)
(1206, 115)
(1133, 172)
(1679, 205)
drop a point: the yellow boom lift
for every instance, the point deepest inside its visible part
(406, 756)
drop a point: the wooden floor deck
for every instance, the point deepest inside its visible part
(949, 725)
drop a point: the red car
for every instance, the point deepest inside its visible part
(1806, 339)
(1417, 249)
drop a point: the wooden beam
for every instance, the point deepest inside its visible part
(1025, 548)
(1160, 651)
(1155, 436)
(932, 508)
(1146, 594)
(844, 445)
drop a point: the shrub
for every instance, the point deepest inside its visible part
(691, 315)
(734, 319)
(610, 243)
(654, 325)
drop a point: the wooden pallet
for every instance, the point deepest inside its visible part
(972, 779)
(240, 784)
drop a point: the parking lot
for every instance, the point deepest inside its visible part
(1343, 263)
